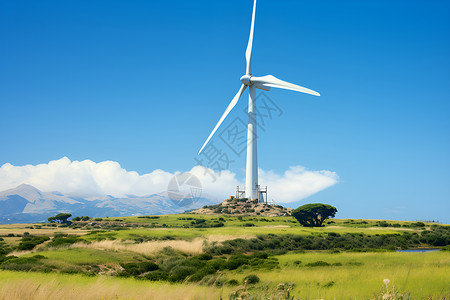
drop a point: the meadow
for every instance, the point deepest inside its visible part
(190, 256)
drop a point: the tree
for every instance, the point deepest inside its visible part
(60, 218)
(314, 214)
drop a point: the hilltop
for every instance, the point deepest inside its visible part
(244, 207)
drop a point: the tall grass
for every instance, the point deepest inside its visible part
(361, 275)
(25, 286)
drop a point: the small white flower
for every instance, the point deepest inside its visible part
(386, 281)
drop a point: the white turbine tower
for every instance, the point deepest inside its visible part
(263, 83)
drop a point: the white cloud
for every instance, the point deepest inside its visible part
(109, 178)
(297, 183)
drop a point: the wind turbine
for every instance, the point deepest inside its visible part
(252, 83)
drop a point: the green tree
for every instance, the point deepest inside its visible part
(314, 214)
(60, 218)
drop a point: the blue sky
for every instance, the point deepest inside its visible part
(144, 83)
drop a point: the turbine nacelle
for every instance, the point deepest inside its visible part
(246, 80)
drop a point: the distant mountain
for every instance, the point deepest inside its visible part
(26, 204)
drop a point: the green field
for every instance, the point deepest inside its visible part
(192, 257)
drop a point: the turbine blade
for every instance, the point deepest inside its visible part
(271, 81)
(248, 53)
(225, 114)
(262, 87)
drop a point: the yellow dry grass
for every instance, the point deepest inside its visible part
(194, 246)
(146, 248)
(75, 287)
(19, 229)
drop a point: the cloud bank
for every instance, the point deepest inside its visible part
(109, 178)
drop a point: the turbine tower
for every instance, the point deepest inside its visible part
(252, 83)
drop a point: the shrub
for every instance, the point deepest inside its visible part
(232, 282)
(203, 272)
(14, 263)
(418, 224)
(59, 241)
(318, 263)
(156, 275)
(383, 224)
(204, 256)
(297, 262)
(29, 242)
(217, 263)
(251, 279)
(139, 268)
(236, 261)
(179, 273)
(71, 270)
(262, 255)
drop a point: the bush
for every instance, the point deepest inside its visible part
(418, 224)
(329, 284)
(262, 255)
(179, 273)
(59, 241)
(200, 274)
(204, 256)
(236, 261)
(71, 270)
(155, 275)
(139, 268)
(29, 242)
(251, 279)
(318, 263)
(383, 224)
(232, 282)
(14, 263)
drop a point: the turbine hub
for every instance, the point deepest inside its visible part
(246, 79)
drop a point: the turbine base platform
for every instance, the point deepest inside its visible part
(262, 194)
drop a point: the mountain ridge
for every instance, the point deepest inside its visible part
(27, 204)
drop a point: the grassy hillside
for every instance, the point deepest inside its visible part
(191, 256)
